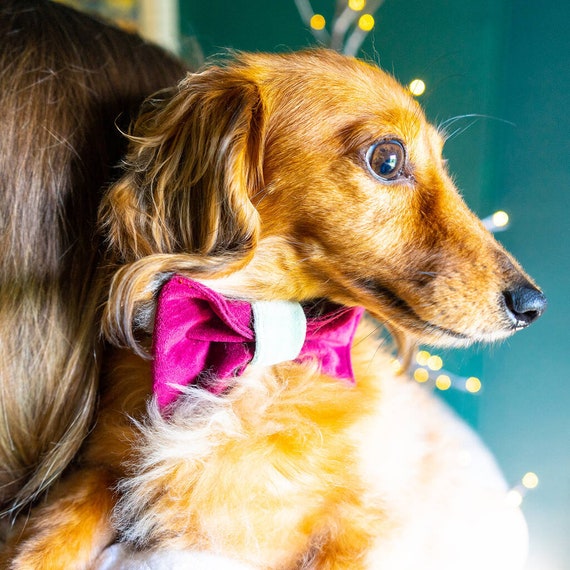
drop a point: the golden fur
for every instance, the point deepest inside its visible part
(251, 176)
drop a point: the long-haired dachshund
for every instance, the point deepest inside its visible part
(67, 82)
(248, 413)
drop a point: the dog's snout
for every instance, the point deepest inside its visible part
(524, 304)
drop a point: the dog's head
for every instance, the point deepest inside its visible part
(315, 175)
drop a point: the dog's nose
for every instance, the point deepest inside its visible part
(524, 305)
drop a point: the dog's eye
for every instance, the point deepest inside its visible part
(386, 159)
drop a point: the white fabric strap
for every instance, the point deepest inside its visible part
(280, 329)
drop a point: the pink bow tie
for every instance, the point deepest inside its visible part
(203, 338)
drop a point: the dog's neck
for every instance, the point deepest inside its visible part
(277, 270)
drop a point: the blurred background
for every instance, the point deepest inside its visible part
(496, 73)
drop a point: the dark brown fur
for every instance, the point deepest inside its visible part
(64, 81)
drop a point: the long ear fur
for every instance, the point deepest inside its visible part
(184, 203)
(195, 160)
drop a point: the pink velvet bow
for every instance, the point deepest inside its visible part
(201, 337)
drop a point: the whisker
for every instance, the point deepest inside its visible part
(452, 120)
(443, 126)
(459, 131)
(376, 329)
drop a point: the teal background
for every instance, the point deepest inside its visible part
(505, 59)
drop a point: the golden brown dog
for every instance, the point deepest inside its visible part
(295, 177)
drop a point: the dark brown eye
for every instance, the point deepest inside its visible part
(386, 160)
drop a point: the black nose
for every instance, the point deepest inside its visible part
(524, 305)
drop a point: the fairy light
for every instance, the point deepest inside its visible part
(421, 375)
(396, 366)
(357, 5)
(317, 22)
(348, 28)
(530, 480)
(473, 384)
(516, 495)
(366, 22)
(435, 362)
(428, 367)
(443, 382)
(417, 87)
(500, 219)
(422, 357)
(497, 222)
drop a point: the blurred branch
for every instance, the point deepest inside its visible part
(357, 37)
(345, 19)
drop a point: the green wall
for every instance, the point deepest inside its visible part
(526, 417)
(503, 59)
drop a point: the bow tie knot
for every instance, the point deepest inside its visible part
(204, 338)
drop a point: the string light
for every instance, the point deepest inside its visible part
(396, 366)
(497, 222)
(516, 495)
(349, 27)
(435, 362)
(443, 382)
(417, 87)
(473, 385)
(500, 219)
(530, 480)
(422, 357)
(366, 22)
(318, 22)
(429, 368)
(357, 5)
(421, 375)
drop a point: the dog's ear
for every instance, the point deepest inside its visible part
(195, 161)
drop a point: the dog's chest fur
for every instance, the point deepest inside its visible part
(316, 470)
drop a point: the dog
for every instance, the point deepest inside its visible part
(295, 191)
(68, 83)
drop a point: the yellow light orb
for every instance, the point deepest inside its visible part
(443, 382)
(422, 357)
(514, 498)
(356, 5)
(417, 87)
(500, 219)
(421, 375)
(366, 22)
(396, 366)
(318, 22)
(530, 480)
(435, 362)
(473, 384)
